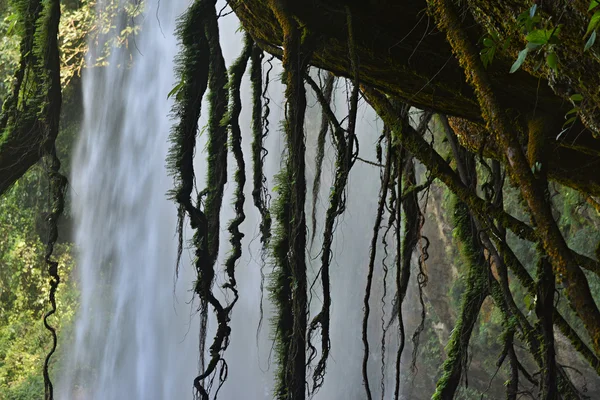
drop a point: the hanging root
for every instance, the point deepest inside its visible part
(58, 184)
(223, 313)
(192, 67)
(236, 73)
(337, 204)
(326, 93)
(259, 191)
(413, 222)
(475, 293)
(393, 206)
(260, 194)
(289, 285)
(372, 254)
(201, 65)
(422, 279)
(346, 157)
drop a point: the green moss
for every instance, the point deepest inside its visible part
(477, 283)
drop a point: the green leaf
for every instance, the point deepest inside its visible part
(538, 36)
(487, 42)
(590, 42)
(519, 62)
(572, 111)
(593, 22)
(576, 97)
(533, 46)
(552, 61)
(176, 89)
(569, 121)
(593, 4)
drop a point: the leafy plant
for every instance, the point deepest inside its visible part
(592, 25)
(539, 40)
(491, 44)
(572, 114)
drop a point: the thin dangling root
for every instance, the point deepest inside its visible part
(372, 253)
(260, 193)
(58, 184)
(345, 160)
(393, 222)
(326, 93)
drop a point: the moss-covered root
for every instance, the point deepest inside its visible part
(473, 297)
(192, 66)
(290, 245)
(236, 73)
(30, 114)
(563, 262)
(201, 65)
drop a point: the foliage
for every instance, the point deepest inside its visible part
(80, 24)
(593, 25)
(539, 39)
(24, 289)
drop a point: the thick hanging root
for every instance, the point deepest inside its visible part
(289, 289)
(201, 65)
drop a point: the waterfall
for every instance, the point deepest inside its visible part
(135, 337)
(136, 333)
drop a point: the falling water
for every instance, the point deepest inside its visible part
(131, 335)
(136, 335)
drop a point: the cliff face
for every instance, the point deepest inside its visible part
(402, 53)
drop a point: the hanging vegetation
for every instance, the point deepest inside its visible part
(496, 138)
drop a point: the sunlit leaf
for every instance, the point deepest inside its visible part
(593, 22)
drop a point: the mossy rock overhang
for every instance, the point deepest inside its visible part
(401, 53)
